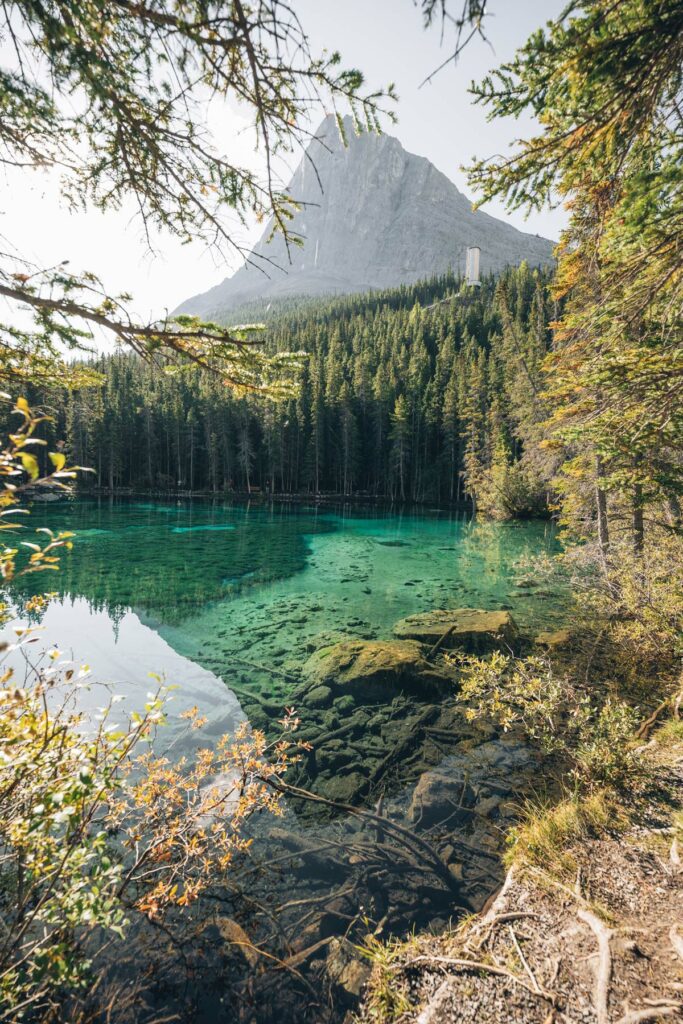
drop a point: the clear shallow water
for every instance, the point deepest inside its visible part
(240, 588)
(227, 602)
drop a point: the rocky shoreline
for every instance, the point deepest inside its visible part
(599, 939)
(411, 805)
(395, 822)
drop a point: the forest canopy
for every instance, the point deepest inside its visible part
(428, 392)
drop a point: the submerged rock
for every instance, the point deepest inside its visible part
(347, 972)
(343, 789)
(375, 670)
(473, 780)
(471, 629)
(319, 697)
(327, 639)
(344, 703)
(439, 796)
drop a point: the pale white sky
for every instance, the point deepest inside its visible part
(385, 39)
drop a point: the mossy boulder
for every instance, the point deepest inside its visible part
(554, 640)
(469, 629)
(370, 670)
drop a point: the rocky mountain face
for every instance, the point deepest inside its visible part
(375, 217)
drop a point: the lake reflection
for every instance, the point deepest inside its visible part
(247, 592)
(122, 654)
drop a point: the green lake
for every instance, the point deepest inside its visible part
(262, 583)
(227, 602)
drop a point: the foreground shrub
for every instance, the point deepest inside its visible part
(94, 827)
(589, 735)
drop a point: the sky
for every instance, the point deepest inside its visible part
(383, 38)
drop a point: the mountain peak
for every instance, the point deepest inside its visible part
(373, 216)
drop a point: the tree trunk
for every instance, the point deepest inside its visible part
(601, 502)
(638, 522)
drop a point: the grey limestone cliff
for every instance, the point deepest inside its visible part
(376, 217)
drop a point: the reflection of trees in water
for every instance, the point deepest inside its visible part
(505, 553)
(163, 568)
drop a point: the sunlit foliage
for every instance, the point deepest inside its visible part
(588, 734)
(604, 81)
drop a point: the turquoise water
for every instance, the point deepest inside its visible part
(228, 602)
(248, 591)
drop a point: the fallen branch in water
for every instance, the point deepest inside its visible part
(400, 749)
(439, 643)
(265, 668)
(415, 843)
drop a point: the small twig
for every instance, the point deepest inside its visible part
(521, 956)
(604, 967)
(651, 1013)
(501, 919)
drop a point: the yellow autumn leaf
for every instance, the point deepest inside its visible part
(30, 464)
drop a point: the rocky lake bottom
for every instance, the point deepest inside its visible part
(349, 617)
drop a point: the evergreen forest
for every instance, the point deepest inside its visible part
(423, 393)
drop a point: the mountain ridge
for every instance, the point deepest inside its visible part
(375, 217)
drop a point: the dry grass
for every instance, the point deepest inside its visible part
(545, 834)
(670, 734)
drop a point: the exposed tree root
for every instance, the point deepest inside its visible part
(603, 970)
(419, 848)
(479, 965)
(649, 1013)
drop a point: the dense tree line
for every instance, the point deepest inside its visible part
(428, 392)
